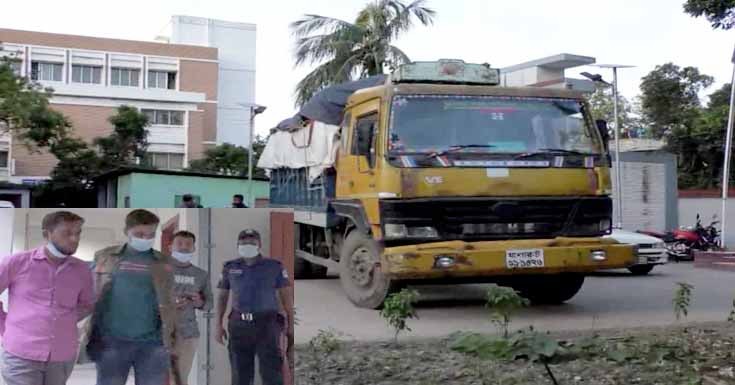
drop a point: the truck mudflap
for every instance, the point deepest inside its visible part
(459, 259)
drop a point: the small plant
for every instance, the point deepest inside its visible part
(731, 317)
(682, 299)
(398, 308)
(503, 302)
(326, 342)
(525, 344)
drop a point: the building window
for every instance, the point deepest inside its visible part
(126, 77)
(165, 117)
(165, 161)
(86, 74)
(162, 79)
(3, 159)
(46, 71)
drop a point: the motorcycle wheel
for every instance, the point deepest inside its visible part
(680, 250)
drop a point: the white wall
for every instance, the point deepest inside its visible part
(102, 228)
(706, 207)
(235, 43)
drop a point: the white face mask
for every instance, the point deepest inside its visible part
(141, 244)
(182, 257)
(248, 251)
(55, 250)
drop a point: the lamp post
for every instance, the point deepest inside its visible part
(726, 165)
(255, 109)
(616, 117)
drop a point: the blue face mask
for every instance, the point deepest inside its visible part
(55, 250)
(141, 244)
(182, 257)
(248, 251)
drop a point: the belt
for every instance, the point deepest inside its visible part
(251, 317)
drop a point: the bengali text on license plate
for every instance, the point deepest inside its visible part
(523, 259)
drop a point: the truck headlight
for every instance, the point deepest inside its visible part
(395, 231)
(659, 246)
(398, 231)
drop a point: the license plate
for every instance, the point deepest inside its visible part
(524, 259)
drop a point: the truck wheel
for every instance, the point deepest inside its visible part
(640, 269)
(551, 289)
(360, 274)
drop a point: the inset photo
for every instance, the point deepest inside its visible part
(164, 296)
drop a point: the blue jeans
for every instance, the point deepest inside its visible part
(150, 362)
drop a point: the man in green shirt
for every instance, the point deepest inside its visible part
(134, 319)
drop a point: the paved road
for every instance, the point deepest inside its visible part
(607, 300)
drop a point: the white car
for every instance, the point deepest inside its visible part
(651, 250)
(6, 205)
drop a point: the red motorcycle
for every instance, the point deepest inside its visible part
(682, 242)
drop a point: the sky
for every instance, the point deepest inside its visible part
(502, 33)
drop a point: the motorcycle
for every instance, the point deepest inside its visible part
(682, 242)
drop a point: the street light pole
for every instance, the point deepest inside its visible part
(254, 109)
(618, 168)
(250, 157)
(726, 165)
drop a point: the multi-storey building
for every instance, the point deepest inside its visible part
(179, 86)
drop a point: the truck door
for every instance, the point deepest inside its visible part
(358, 155)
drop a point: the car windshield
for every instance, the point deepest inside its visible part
(488, 124)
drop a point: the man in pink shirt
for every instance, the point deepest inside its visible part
(49, 291)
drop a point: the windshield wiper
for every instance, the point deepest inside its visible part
(457, 147)
(542, 151)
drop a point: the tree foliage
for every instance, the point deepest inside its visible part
(670, 97)
(720, 13)
(602, 103)
(228, 159)
(344, 49)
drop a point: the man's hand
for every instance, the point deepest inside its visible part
(197, 300)
(220, 335)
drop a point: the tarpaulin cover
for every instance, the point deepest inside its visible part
(314, 146)
(328, 104)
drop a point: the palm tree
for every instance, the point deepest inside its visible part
(347, 50)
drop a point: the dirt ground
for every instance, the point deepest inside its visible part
(697, 354)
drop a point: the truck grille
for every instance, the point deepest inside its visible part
(502, 218)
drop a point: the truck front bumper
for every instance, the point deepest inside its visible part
(459, 259)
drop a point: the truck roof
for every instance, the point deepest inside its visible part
(454, 89)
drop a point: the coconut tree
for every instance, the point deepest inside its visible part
(345, 50)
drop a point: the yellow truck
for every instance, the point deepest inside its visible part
(443, 176)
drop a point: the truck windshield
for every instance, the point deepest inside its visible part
(489, 124)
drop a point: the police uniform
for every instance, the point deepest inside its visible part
(253, 323)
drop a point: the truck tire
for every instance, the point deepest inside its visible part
(360, 274)
(550, 289)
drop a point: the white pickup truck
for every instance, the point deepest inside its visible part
(651, 250)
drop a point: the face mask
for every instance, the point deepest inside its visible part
(141, 244)
(182, 257)
(248, 251)
(55, 250)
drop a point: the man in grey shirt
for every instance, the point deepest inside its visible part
(193, 291)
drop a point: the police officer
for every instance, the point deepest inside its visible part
(258, 285)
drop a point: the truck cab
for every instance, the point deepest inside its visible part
(444, 176)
